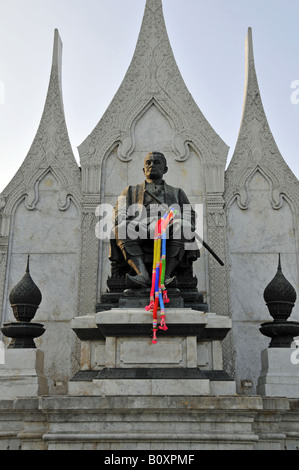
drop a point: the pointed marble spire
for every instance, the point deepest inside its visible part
(57, 53)
(252, 99)
(51, 145)
(153, 74)
(52, 140)
(154, 4)
(254, 121)
(256, 146)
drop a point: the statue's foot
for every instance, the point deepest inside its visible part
(170, 281)
(135, 282)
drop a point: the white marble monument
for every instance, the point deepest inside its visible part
(250, 208)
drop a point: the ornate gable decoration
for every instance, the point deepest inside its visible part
(256, 149)
(153, 78)
(50, 151)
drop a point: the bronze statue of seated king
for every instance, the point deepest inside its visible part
(131, 246)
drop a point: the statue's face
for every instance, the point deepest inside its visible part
(154, 167)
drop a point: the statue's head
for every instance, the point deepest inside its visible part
(155, 166)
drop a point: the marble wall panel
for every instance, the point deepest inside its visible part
(255, 238)
(248, 344)
(154, 130)
(46, 229)
(59, 344)
(261, 228)
(115, 175)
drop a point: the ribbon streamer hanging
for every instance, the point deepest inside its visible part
(158, 294)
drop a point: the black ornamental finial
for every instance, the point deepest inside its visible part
(25, 299)
(280, 297)
(27, 268)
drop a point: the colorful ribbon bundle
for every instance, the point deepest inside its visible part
(158, 294)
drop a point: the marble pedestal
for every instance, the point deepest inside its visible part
(280, 373)
(119, 359)
(22, 374)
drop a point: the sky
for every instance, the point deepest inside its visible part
(99, 38)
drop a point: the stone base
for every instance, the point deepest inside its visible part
(151, 387)
(156, 424)
(139, 387)
(118, 357)
(21, 374)
(181, 322)
(152, 382)
(280, 373)
(138, 298)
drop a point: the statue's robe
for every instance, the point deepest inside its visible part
(124, 248)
